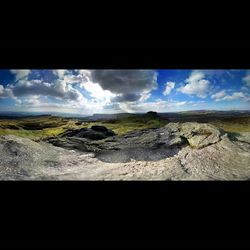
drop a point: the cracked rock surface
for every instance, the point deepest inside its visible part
(187, 151)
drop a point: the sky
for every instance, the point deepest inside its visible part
(85, 92)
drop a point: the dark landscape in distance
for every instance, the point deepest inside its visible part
(124, 124)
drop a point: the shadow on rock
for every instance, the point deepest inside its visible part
(142, 145)
(137, 154)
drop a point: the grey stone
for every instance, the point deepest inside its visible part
(93, 133)
(188, 151)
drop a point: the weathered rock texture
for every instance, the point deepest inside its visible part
(188, 151)
(93, 133)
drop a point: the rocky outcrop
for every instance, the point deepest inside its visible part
(152, 114)
(148, 144)
(93, 133)
(188, 151)
(22, 158)
(198, 135)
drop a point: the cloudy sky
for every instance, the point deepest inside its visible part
(112, 91)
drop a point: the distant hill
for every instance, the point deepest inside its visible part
(103, 117)
(13, 115)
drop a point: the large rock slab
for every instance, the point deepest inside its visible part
(189, 151)
(22, 158)
(93, 133)
(225, 160)
(147, 144)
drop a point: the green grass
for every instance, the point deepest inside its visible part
(33, 134)
(36, 127)
(228, 124)
(132, 123)
(46, 126)
(234, 126)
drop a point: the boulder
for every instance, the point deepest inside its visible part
(90, 134)
(200, 135)
(99, 128)
(152, 113)
(79, 123)
(103, 129)
(93, 133)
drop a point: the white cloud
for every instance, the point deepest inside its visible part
(6, 92)
(235, 96)
(113, 86)
(65, 89)
(37, 104)
(91, 91)
(196, 85)
(219, 95)
(128, 85)
(59, 89)
(31, 101)
(245, 88)
(180, 103)
(195, 75)
(169, 86)
(144, 96)
(20, 73)
(103, 87)
(96, 91)
(246, 79)
(60, 72)
(82, 78)
(84, 72)
(1, 89)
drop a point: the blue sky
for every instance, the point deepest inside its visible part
(112, 91)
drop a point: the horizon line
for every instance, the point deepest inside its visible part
(51, 113)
